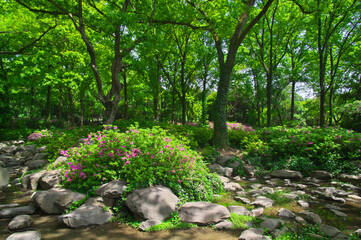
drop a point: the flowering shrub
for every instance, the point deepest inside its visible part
(143, 157)
(307, 148)
(37, 135)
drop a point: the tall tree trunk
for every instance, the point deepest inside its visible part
(48, 106)
(269, 98)
(82, 109)
(155, 104)
(125, 87)
(204, 97)
(293, 98)
(61, 104)
(330, 103)
(173, 105)
(71, 117)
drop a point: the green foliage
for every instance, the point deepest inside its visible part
(303, 232)
(143, 157)
(306, 149)
(77, 204)
(240, 221)
(172, 223)
(209, 153)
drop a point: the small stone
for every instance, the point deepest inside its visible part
(355, 197)
(300, 220)
(11, 205)
(256, 186)
(303, 204)
(283, 212)
(286, 174)
(234, 164)
(237, 179)
(13, 212)
(242, 199)
(224, 179)
(263, 202)
(223, 225)
(322, 175)
(232, 186)
(148, 224)
(338, 213)
(358, 232)
(28, 235)
(314, 236)
(331, 206)
(249, 170)
(20, 222)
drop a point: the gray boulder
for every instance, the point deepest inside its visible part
(15, 211)
(311, 217)
(263, 202)
(4, 177)
(40, 156)
(155, 203)
(20, 222)
(303, 204)
(92, 212)
(257, 212)
(36, 164)
(113, 189)
(31, 181)
(271, 224)
(355, 179)
(240, 210)
(215, 167)
(249, 170)
(322, 175)
(253, 234)
(10, 205)
(285, 213)
(223, 160)
(223, 225)
(28, 235)
(203, 213)
(232, 186)
(330, 231)
(59, 161)
(50, 179)
(148, 224)
(289, 174)
(55, 200)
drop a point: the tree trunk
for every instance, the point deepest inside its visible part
(269, 98)
(48, 110)
(330, 107)
(155, 104)
(204, 97)
(173, 105)
(71, 117)
(293, 99)
(82, 110)
(125, 87)
(60, 115)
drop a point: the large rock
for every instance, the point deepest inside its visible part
(203, 213)
(253, 234)
(36, 164)
(289, 174)
(92, 212)
(240, 210)
(263, 202)
(232, 186)
(355, 179)
(113, 189)
(31, 181)
(15, 211)
(55, 200)
(330, 231)
(223, 225)
(223, 160)
(40, 156)
(28, 235)
(20, 222)
(50, 179)
(271, 224)
(249, 170)
(311, 217)
(4, 177)
(215, 167)
(59, 161)
(155, 203)
(285, 213)
(322, 175)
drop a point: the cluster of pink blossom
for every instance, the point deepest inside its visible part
(235, 126)
(74, 171)
(38, 135)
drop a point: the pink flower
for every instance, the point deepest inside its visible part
(126, 162)
(179, 180)
(115, 127)
(309, 143)
(152, 156)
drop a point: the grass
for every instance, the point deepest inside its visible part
(168, 225)
(240, 221)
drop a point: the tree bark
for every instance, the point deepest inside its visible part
(125, 87)
(48, 106)
(71, 118)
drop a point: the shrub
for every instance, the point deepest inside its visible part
(143, 157)
(37, 135)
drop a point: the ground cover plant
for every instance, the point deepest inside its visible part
(143, 157)
(304, 149)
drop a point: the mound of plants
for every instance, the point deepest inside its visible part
(142, 157)
(305, 149)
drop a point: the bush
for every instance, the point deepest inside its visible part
(143, 157)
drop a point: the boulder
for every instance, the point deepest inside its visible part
(10, 205)
(15, 211)
(215, 167)
(242, 199)
(234, 164)
(338, 213)
(59, 161)
(4, 177)
(28, 235)
(322, 175)
(93, 212)
(303, 204)
(223, 160)
(113, 189)
(55, 200)
(253, 234)
(249, 170)
(50, 179)
(271, 224)
(224, 179)
(285, 213)
(240, 210)
(232, 186)
(263, 202)
(203, 213)
(289, 174)
(31, 181)
(329, 230)
(355, 179)
(223, 225)
(40, 156)
(20, 222)
(36, 164)
(155, 203)
(257, 212)
(311, 217)
(148, 224)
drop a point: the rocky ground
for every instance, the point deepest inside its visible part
(281, 200)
